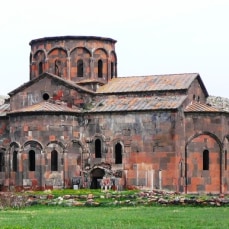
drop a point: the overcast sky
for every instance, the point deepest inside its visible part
(153, 36)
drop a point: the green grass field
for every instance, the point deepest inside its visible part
(115, 217)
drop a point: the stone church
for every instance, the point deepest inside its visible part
(76, 124)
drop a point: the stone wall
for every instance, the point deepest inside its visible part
(60, 56)
(53, 92)
(147, 149)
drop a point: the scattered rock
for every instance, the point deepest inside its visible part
(152, 197)
(90, 196)
(66, 197)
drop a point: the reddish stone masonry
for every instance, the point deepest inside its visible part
(75, 124)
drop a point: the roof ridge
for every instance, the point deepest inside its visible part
(168, 74)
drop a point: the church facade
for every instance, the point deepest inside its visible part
(75, 124)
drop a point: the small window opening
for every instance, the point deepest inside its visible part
(100, 69)
(112, 70)
(118, 153)
(198, 99)
(225, 159)
(31, 160)
(54, 160)
(40, 68)
(80, 68)
(2, 162)
(206, 160)
(45, 96)
(194, 97)
(15, 161)
(98, 148)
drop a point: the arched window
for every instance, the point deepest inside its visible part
(98, 153)
(2, 162)
(15, 161)
(100, 69)
(32, 161)
(206, 160)
(118, 153)
(80, 68)
(54, 160)
(112, 70)
(40, 68)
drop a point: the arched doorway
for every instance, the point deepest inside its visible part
(96, 176)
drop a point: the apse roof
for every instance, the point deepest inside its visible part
(200, 107)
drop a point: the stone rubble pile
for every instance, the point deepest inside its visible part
(109, 198)
(147, 198)
(219, 102)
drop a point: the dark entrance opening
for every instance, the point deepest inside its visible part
(96, 176)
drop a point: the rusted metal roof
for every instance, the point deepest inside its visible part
(138, 103)
(45, 106)
(4, 108)
(149, 83)
(200, 107)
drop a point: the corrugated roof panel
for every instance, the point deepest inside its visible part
(148, 83)
(138, 103)
(45, 107)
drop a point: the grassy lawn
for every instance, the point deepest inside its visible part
(115, 217)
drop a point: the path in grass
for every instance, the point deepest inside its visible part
(115, 217)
